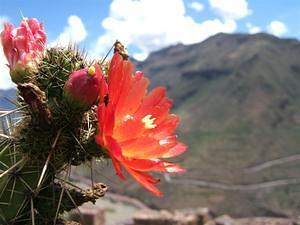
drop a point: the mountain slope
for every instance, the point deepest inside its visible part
(239, 101)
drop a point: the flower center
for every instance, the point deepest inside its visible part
(91, 70)
(149, 122)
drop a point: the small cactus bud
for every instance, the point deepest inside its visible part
(83, 88)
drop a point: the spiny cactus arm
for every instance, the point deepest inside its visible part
(11, 168)
(16, 179)
(62, 196)
(78, 197)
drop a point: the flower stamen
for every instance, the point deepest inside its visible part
(149, 122)
(91, 70)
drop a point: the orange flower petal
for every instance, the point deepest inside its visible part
(134, 97)
(165, 128)
(114, 148)
(178, 149)
(129, 128)
(144, 148)
(154, 97)
(145, 180)
(145, 165)
(115, 153)
(119, 79)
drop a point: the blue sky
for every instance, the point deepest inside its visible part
(149, 25)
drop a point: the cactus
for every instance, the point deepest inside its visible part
(40, 148)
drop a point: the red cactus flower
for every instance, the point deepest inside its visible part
(22, 46)
(136, 129)
(83, 88)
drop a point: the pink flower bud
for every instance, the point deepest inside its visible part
(84, 87)
(22, 46)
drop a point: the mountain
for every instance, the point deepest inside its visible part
(238, 97)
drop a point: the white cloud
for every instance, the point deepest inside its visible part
(5, 81)
(73, 33)
(196, 6)
(230, 9)
(253, 29)
(147, 25)
(277, 28)
(140, 56)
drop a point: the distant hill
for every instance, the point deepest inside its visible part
(239, 101)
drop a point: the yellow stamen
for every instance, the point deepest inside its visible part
(149, 122)
(91, 70)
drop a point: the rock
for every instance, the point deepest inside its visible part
(152, 217)
(71, 223)
(222, 220)
(265, 221)
(227, 220)
(163, 217)
(90, 215)
(203, 214)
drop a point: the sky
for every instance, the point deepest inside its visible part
(145, 26)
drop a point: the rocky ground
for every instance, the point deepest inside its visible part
(202, 216)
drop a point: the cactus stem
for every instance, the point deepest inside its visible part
(74, 203)
(3, 150)
(69, 183)
(22, 207)
(1, 217)
(5, 186)
(26, 184)
(12, 190)
(13, 167)
(62, 193)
